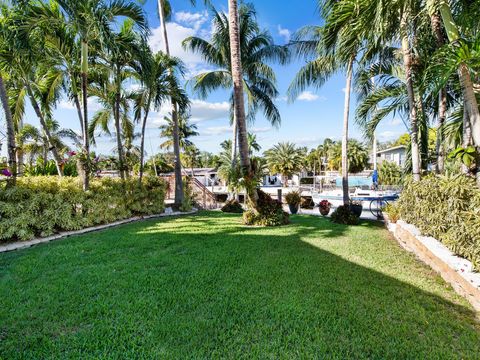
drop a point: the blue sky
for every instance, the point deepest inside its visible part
(317, 114)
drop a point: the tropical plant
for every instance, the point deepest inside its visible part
(256, 48)
(185, 130)
(357, 155)
(285, 159)
(157, 84)
(389, 173)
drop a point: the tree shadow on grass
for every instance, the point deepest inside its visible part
(205, 286)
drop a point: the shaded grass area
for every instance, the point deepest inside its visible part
(206, 286)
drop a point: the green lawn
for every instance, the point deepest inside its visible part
(207, 287)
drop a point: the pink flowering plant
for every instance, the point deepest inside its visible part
(325, 205)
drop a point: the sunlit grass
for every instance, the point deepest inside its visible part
(206, 286)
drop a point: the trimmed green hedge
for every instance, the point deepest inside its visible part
(447, 208)
(43, 205)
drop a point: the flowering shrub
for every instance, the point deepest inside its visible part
(325, 204)
(43, 205)
(447, 208)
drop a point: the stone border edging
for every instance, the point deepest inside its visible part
(64, 234)
(455, 270)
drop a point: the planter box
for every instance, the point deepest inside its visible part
(453, 269)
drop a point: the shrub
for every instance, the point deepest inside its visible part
(43, 205)
(232, 206)
(393, 212)
(293, 198)
(343, 215)
(447, 208)
(188, 196)
(307, 203)
(389, 173)
(269, 212)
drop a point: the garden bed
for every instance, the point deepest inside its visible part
(456, 270)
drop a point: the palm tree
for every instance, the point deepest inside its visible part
(253, 145)
(257, 48)
(91, 20)
(11, 145)
(357, 157)
(186, 131)
(334, 48)
(285, 159)
(154, 73)
(115, 109)
(164, 11)
(466, 83)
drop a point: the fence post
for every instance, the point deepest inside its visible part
(279, 195)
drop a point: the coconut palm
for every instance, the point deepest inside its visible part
(257, 48)
(285, 159)
(334, 48)
(186, 131)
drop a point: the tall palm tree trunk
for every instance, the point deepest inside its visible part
(46, 130)
(346, 114)
(238, 99)
(118, 128)
(86, 141)
(234, 142)
(466, 135)
(142, 140)
(176, 132)
(470, 101)
(407, 62)
(11, 145)
(442, 98)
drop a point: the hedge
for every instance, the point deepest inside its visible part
(43, 205)
(448, 209)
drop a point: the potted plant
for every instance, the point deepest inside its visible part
(324, 207)
(293, 200)
(356, 208)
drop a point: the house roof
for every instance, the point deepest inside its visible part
(392, 149)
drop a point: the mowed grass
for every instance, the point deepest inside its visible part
(206, 286)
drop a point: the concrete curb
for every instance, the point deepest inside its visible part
(64, 234)
(454, 269)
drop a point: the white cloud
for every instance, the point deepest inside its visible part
(309, 96)
(396, 121)
(203, 110)
(93, 105)
(216, 130)
(258, 130)
(387, 135)
(282, 98)
(196, 20)
(284, 33)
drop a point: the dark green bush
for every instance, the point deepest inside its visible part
(232, 206)
(43, 205)
(447, 208)
(269, 212)
(343, 215)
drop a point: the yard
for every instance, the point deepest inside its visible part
(206, 286)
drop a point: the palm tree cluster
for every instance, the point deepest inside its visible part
(413, 59)
(82, 50)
